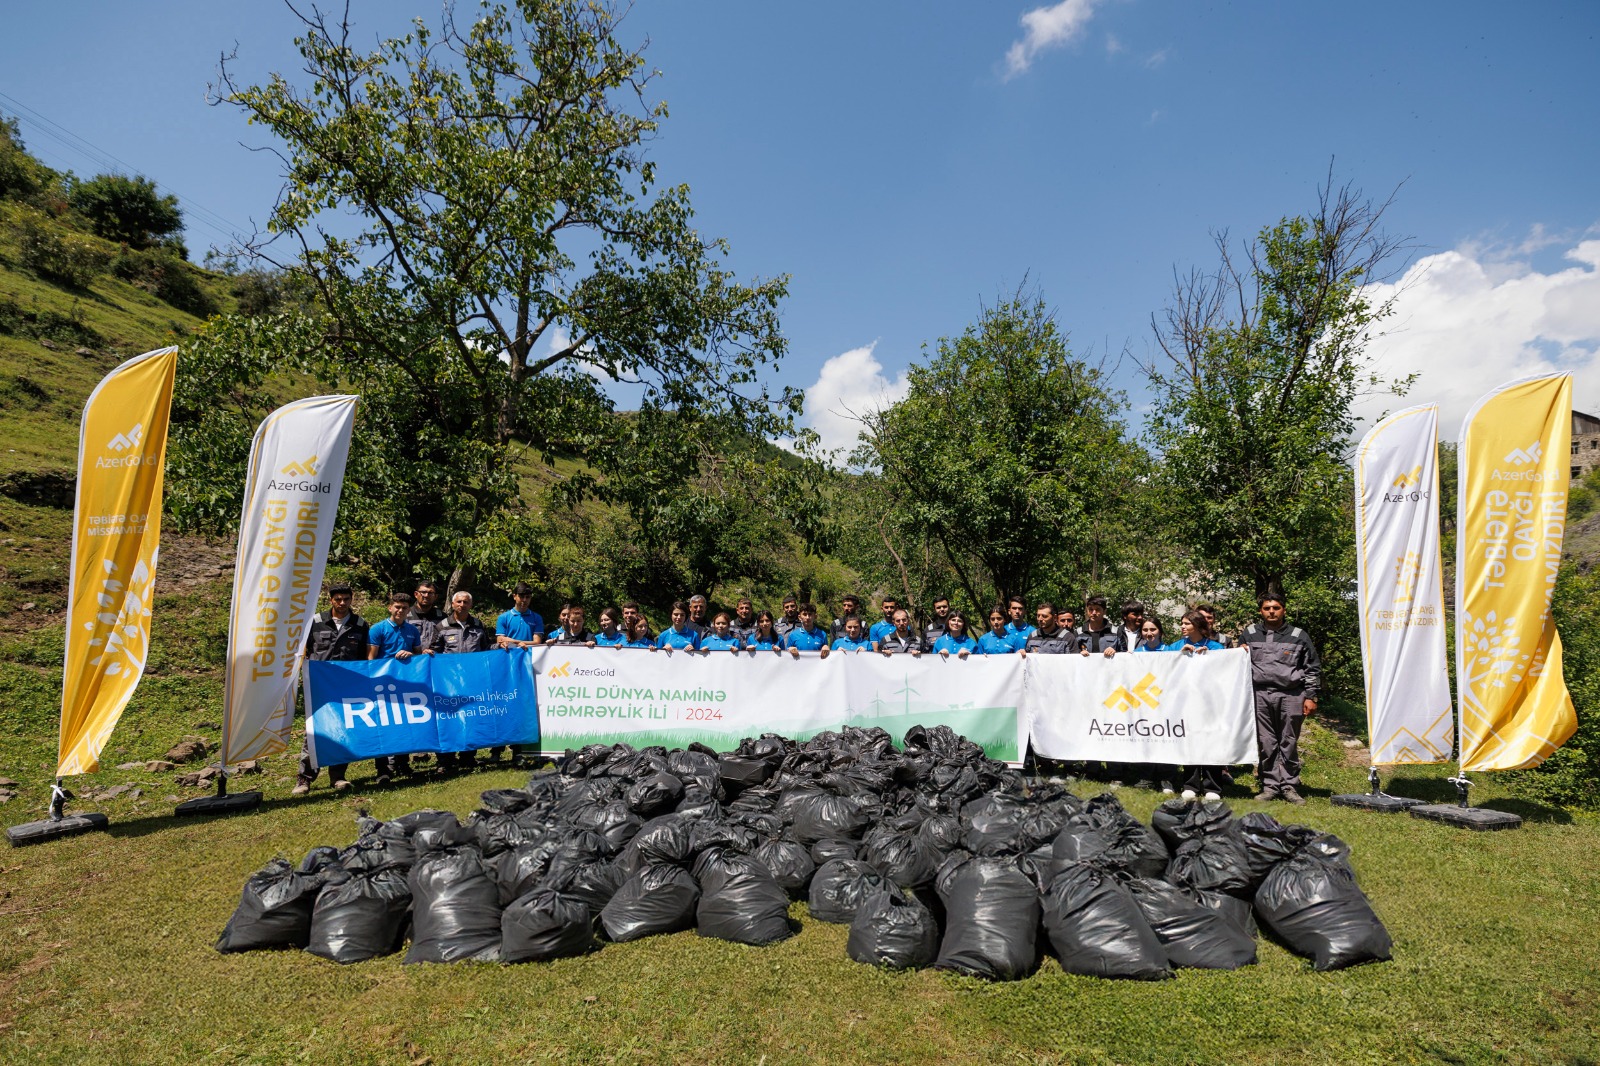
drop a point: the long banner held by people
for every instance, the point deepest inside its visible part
(1155, 708)
(1401, 589)
(116, 537)
(291, 496)
(1513, 455)
(441, 703)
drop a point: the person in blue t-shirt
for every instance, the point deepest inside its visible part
(1017, 624)
(520, 627)
(638, 631)
(955, 640)
(394, 638)
(1151, 636)
(610, 635)
(765, 636)
(998, 641)
(721, 637)
(679, 634)
(806, 636)
(853, 639)
(882, 629)
(1197, 636)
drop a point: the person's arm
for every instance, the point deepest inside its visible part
(1313, 685)
(373, 651)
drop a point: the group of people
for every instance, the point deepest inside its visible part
(1285, 666)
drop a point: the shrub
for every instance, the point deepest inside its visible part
(161, 273)
(129, 210)
(64, 258)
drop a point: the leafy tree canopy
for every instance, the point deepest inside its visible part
(129, 210)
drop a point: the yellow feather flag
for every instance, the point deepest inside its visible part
(1514, 451)
(116, 535)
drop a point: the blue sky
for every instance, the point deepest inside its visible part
(905, 161)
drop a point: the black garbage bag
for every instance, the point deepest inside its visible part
(991, 920)
(579, 763)
(380, 845)
(789, 863)
(904, 858)
(1236, 910)
(655, 794)
(1216, 863)
(1095, 927)
(1117, 844)
(320, 859)
(499, 831)
(615, 824)
(505, 800)
(995, 826)
(740, 901)
(696, 769)
(943, 831)
(840, 887)
(892, 928)
(545, 925)
(1194, 935)
(825, 851)
(515, 872)
(1267, 842)
(698, 802)
(589, 793)
(658, 899)
(576, 849)
(739, 772)
(1179, 821)
(594, 883)
(765, 824)
(732, 836)
(813, 815)
(274, 910)
(455, 914)
(364, 916)
(663, 840)
(426, 819)
(1312, 903)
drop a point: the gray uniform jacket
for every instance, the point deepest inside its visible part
(455, 638)
(427, 625)
(1098, 640)
(1283, 660)
(894, 642)
(1061, 642)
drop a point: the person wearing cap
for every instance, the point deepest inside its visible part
(1287, 675)
(521, 626)
(335, 635)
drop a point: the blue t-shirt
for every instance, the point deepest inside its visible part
(801, 640)
(391, 639)
(519, 625)
(1021, 632)
(615, 640)
(759, 643)
(955, 647)
(644, 642)
(993, 644)
(1178, 645)
(671, 638)
(712, 642)
(879, 630)
(846, 644)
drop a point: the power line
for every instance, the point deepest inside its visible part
(54, 131)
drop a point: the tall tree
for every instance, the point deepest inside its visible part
(1261, 361)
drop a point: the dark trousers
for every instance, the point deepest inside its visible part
(1203, 778)
(308, 775)
(1278, 720)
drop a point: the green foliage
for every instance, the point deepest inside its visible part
(54, 253)
(165, 275)
(1584, 497)
(1006, 464)
(21, 176)
(126, 210)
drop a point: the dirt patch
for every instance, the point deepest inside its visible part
(187, 561)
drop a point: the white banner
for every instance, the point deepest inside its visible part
(612, 695)
(1149, 707)
(1401, 587)
(290, 499)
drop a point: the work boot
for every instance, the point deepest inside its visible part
(301, 787)
(1267, 794)
(1292, 796)
(341, 785)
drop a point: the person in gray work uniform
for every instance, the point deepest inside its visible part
(1287, 674)
(460, 633)
(335, 635)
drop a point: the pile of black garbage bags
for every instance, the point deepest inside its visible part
(934, 855)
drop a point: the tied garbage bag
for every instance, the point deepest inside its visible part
(364, 916)
(274, 911)
(943, 831)
(1216, 863)
(380, 845)
(593, 883)
(505, 800)
(1179, 821)
(614, 825)
(1095, 927)
(1118, 844)
(789, 863)
(1267, 842)
(825, 851)
(1194, 935)
(740, 901)
(545, 925)
(1233, 908)
(516, 872)
(1312, 903)
(840, 887)
(663, 841)
(904, 859)
(321, 859)
(655, 794)
(498, 831)
(657, 899)
(426, 819)
(991, 920)
(893, 929)
(455, 907)
(814, 816)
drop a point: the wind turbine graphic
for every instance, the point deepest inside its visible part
(877, 704)
(909, 692)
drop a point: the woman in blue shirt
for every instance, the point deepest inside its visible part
(679, 635)
(638, 633)
(609, 636)
(1151, 637)
(997, 641)
(854, 639)
(721, 637)
(955, 640)
(765, 637)
(1197, 636)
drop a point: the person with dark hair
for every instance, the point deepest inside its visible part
(1197, 639)
(630, 611)
(1132, 624)
(575, 628)
(335, 635)
(721, 636)
(698, 622)
(394, 638)
(554, 635)
(1099, 637)
(521, 626)
(1048, 638)
(854, 639)
(1151, 636)
(998, 640)
(1067, 618)
(955, 640)
(939, 624)
(638, 633)
(1287, 674)
(806, 636)
(679, 635)
(743, 622)
(882, 629)
(789, 621)
(1018, 625)
(849, 604)
(900, 640)
(610, 634)
(1210, 611)
(765, 637)
(425, 612)
(460, 633)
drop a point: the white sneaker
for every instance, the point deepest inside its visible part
(1166, 789)
(1212, 796)
(1187, 793)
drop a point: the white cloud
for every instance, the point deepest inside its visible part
(848, 386)
(1048, 27)
(1473, 318)
(1155, 59)
(1113, 45)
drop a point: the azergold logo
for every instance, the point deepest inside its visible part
(564, 670)
(123, 441)
(1144, 693)
(1411, 480)
(1524, 456)
(304, 468)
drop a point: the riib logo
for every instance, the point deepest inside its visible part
(1411, 480)
(1524, 456)
(303, 468)
(564, 670)
(124, 441)
(1144, 693)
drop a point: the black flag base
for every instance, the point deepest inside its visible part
(1459, 814)
(1375, 799)
(58, 824)
(222, 802)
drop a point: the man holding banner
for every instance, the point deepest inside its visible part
(336, 635)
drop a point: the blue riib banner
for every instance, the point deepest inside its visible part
(361, 710)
